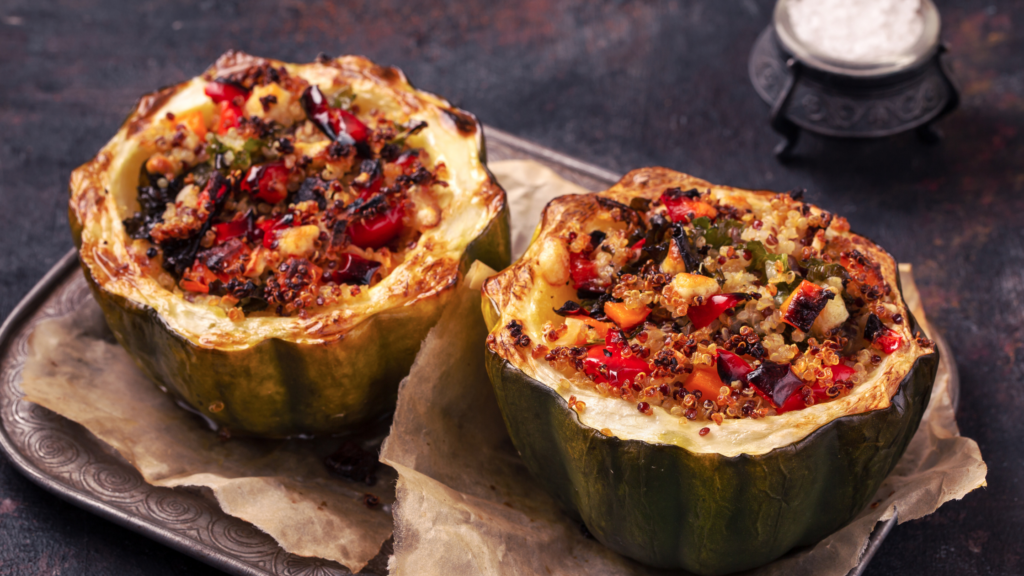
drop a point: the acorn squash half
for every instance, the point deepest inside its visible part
(711, 498)
(329, 368)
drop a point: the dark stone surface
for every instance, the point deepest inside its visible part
(622, 84)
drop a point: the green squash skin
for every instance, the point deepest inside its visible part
(279, 389)
(709, 514)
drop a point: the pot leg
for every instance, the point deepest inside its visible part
(929, 133)
(779, 122)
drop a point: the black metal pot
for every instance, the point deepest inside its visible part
(814, 92)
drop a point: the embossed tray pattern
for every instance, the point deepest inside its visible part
(64, 458)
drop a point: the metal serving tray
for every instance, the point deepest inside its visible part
(64, 458)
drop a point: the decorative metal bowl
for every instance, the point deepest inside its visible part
(813, 91)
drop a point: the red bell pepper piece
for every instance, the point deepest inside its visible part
(888, 342)
(377, 230)
(708, 312)
(583, 272)
(407, 158)
(881, 336)
(776, 383)
(682, 208)
(270, 227)
(267, 182)
(732, 367)
(866, 279)
(197, 279)
(229, 98)
(840, 373)
(226, 92)
(617, 369)
(339, 124)
(228, 230)
(352, 269)
(705, 380)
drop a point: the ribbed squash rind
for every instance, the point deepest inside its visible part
(706, 513)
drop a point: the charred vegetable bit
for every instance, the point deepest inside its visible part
(338, 124)
(711, 311)
(804, 304)
(885, 339)
(296, 200)
(570, 308)
(774, 382)
(732, 368)
(704, 314)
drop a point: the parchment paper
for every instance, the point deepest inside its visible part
(77, 370)
(467, 505)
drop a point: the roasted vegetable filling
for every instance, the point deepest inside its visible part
(288, 197)
(714, 311)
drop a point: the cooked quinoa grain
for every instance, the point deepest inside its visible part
(713, 310)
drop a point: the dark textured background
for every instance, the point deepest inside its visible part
(621, 84)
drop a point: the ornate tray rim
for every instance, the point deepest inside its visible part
(585, 174)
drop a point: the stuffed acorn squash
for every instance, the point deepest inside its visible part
(708, 377)
(272, 241)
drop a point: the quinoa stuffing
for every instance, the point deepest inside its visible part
(715, 311)
(289, 197)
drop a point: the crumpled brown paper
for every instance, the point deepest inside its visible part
(467, 505)
(75, 369)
